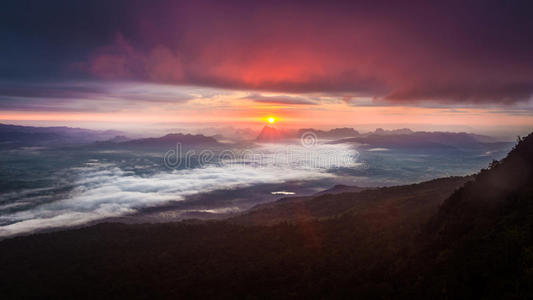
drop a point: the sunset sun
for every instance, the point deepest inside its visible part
(271, 120)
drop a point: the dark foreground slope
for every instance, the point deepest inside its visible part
(328, 245)
(383, 243)
(480, 244)
(389, 206)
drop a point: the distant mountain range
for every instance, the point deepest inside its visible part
(12, 136)
(390, 139)
(272, 134)
(336, 133)
(170, 140)
(424, 140)
(17, 136)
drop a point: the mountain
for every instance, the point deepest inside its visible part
(118, 139)
(392, 203)
(336, 133)
(270, 134)
(381, 131)
(424, 141)
(321, 247)
(459, 237)
(12, 136)
(403, 138)
(171, 140)
(339, 189)
(483, 233)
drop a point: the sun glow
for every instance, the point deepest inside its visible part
(271, 120)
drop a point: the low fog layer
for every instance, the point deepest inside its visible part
(104, 190)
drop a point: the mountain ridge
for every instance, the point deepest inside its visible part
(172, 139)
(16, 135)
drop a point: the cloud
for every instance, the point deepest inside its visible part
(476, 51)
(89, 96)
(104, 190)
(121, 60)
(280, 99)
(503, 91)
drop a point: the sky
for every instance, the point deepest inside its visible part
(450, 65)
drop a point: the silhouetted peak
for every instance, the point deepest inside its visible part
(269, 134)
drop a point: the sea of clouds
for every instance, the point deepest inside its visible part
(103, 190)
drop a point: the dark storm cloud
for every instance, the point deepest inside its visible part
(86, 96)
(454, 51)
